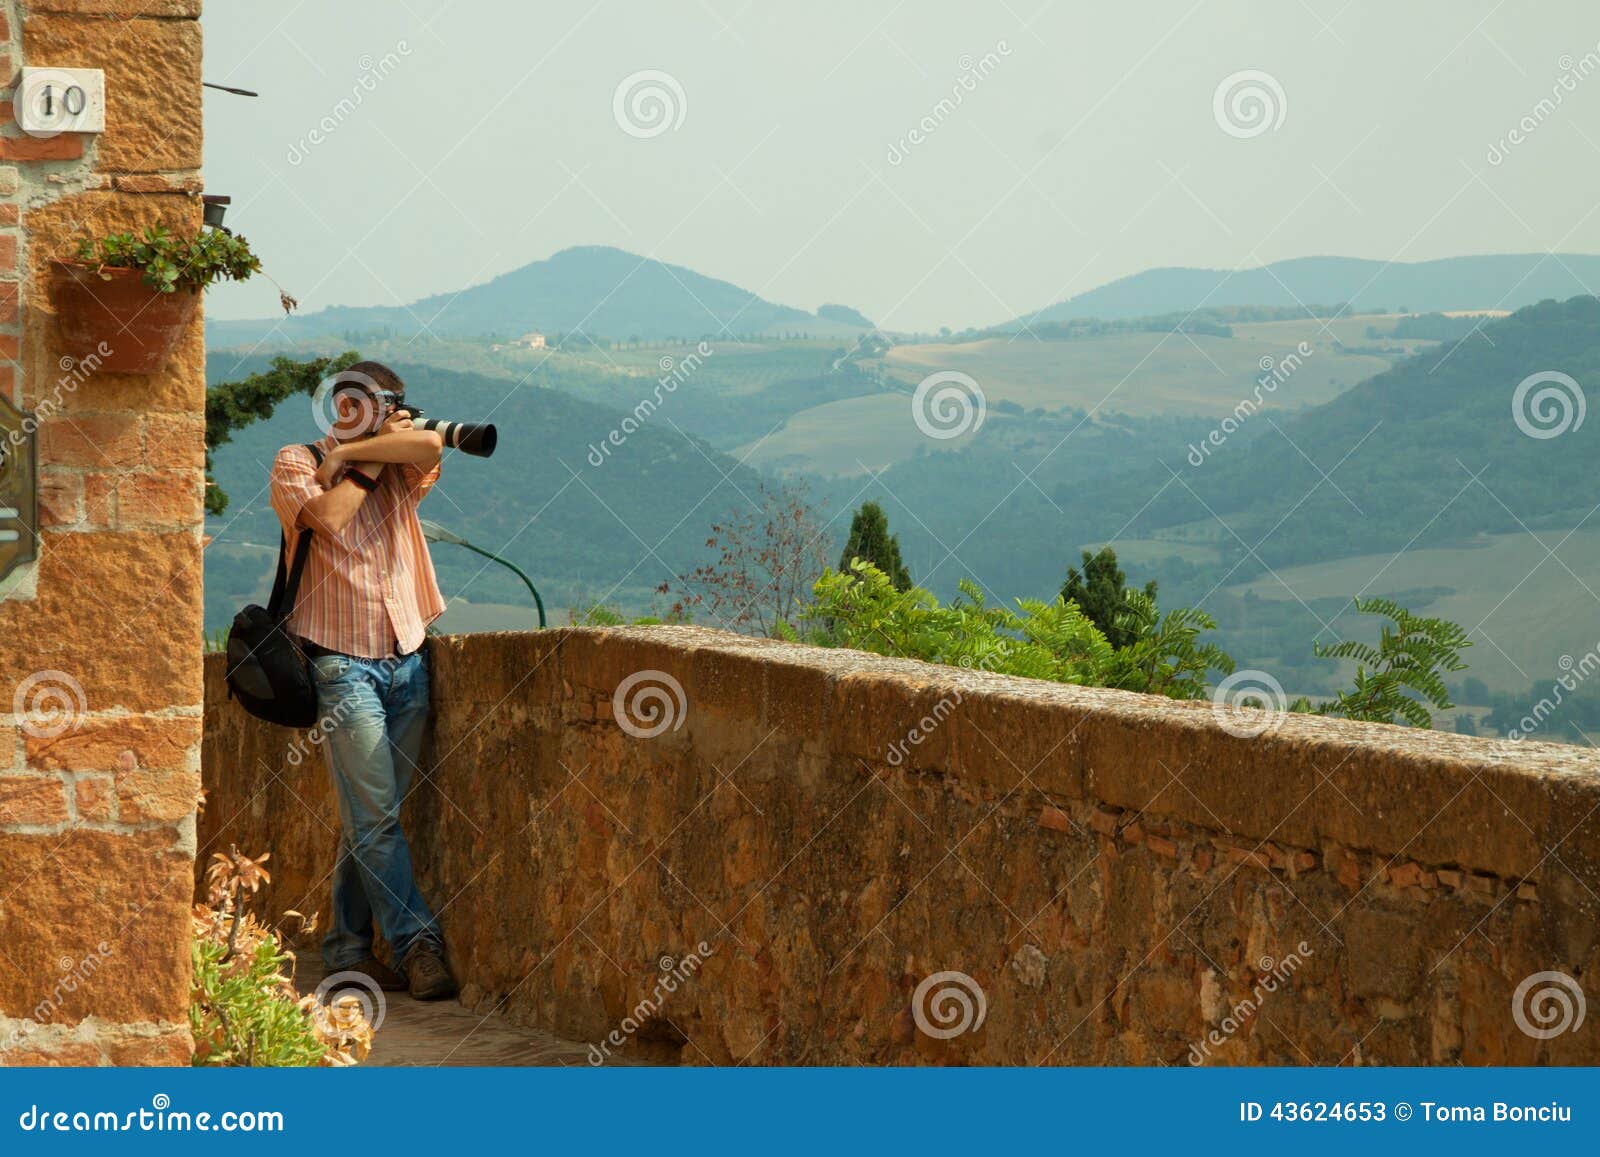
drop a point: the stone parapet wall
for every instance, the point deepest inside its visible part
(97, 795)
(811, 838)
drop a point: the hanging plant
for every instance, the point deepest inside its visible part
(135, 294)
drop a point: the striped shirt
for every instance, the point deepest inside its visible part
(369, 589)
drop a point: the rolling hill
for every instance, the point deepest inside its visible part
(591, 289)
(1492, 281)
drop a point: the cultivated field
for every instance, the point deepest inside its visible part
(1145, 373)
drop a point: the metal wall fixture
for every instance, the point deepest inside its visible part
(19, 488)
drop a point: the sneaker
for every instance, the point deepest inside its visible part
(430, 979)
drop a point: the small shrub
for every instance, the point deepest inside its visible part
(243, 1009)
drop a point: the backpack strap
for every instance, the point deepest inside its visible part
(286, 582)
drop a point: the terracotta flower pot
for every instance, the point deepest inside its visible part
(139, 325)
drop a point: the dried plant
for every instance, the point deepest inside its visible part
(244, 1008)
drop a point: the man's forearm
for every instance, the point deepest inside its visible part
(417, 447)
(332, 510)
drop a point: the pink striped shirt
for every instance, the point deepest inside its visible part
(370, 587)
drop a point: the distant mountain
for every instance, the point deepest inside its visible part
(590, 289)
(845, 314)
(1496, 281)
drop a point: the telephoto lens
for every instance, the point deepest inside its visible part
(475, 438)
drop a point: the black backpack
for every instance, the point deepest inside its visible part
(267, 671)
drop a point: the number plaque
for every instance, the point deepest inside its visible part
(50, 101)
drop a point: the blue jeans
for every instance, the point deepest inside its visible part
(372, 713)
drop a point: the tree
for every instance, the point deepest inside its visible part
(1101, 591)
(767, 557)
(870, 541)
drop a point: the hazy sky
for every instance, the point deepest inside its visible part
(1085, 144)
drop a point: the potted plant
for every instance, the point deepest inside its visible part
(137, 294)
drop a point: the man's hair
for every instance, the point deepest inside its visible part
(357, 376)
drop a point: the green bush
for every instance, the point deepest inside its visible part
(1038, 640)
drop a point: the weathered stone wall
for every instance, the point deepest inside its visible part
(97, 803)
(1123, 878)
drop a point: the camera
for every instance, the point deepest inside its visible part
(475, 438)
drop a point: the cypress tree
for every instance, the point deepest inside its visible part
(1098, 590)
(871, 541)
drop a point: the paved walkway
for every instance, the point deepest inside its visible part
(442, 1032)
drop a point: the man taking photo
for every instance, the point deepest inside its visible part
(366, 597)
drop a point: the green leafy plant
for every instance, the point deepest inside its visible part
(1412, 655)
(173, 262)
(1056, 641)
(243, 1008)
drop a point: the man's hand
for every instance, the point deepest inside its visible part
(332, 465)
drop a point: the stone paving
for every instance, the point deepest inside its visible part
(442, 1032)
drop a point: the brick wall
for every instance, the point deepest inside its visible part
(1119, 878)
(97, 805)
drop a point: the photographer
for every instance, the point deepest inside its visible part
(367, 595)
